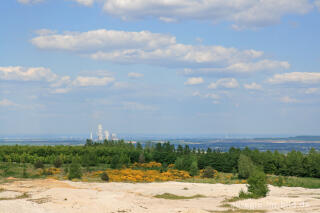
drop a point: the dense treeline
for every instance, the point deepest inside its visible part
(118, 154)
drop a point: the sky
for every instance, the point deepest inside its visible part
(160, 67)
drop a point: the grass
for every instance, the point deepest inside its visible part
(40, 200)
(305, 182)
(177, 197)
(233, 199)
(23, 196)
(234, 209)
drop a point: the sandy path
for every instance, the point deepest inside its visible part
(52, 196)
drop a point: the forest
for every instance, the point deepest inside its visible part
(118, 154)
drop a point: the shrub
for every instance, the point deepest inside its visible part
(142, 159)
(279, 182)
(24, 173)
(208, 172)
(66, 170)
(75, 169)
(258, 184)
(57, 162)
(178, 164)
(245, 166)
(47, 172)
(38, 164)
(115, 162)
(194, 169)
(104, 177)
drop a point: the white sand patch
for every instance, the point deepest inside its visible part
(80, 197)
(9, 194)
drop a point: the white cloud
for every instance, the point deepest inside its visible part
(312, 90)
(7, 103)
(317, 3)
(243, 13)
(29, 1)
(63, 81)
(83, 81)
(253, 86)
(60, 90)
(103, 40)
(296, 77)
(144, 47)
(121, 85)
(178, 55)
(258, 66)
(207, 95)
(166, 19)
(138, 106)
(242, 68)
(27, 74)
(229, 83)
(85, 2)
(135, 75)
(194, 81)
(287, 99)
(56, 84)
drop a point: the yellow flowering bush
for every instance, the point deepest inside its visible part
(135, 175)
(215, 173)
(149, 165)
(53, 170)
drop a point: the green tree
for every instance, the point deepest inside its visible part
(115, 162)
(245, 166)
(142, 159)
(193, 171)
(38, 164)
(75, 169)
(257, 184)
(57, 162)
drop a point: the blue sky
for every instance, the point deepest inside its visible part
(160, 67)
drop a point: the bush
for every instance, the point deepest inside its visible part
(193, 171)
(57, 162)
(38, 164)
(142, 159)
(75, 169)
(208, 172)
(245, 166)
(47, 172)
(279, 182)
(24, 173)
(104, 177)
(66, 170)
(258, 184)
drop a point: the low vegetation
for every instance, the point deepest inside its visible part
(178, 197)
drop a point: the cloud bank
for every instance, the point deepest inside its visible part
(243, 14)
(145, 47)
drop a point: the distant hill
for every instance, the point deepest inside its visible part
(296, 138)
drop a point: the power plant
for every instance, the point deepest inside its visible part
(103, 135)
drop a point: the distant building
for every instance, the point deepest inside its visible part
(106, 135)
(100, 134)
(103, 135)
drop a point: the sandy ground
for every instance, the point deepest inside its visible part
(52, 196)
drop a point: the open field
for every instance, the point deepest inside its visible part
(55, 196)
